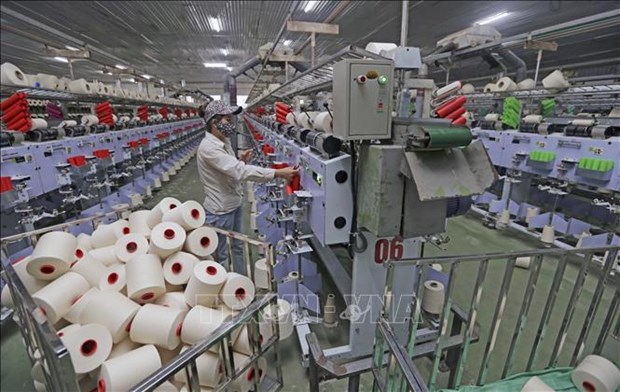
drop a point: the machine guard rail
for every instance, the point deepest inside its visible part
(401, 374)
(44, 345)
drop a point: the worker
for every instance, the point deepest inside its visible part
(223, 176)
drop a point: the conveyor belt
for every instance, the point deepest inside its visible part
(447, 137)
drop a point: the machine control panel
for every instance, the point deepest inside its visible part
(363, 99)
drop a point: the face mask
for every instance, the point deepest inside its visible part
(227, 129)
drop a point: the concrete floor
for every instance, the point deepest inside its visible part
(467, 236)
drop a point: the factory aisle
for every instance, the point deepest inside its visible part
(467, 235)
(184, 186)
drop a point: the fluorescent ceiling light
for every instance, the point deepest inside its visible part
(229, 68)
(161, 81)
(224, 52)
(132, 80)
(61, 59)
(120, 66)
(73, 48)
(287, 42)
(146, 76)
(151, 58)
(146, 39)
(492, 18)
(215, 65)
(214, 23)
(309, 6)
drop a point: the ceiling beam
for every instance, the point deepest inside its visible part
(342, 5)
(310, 27)
(70, 54)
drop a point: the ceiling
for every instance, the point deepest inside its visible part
(172, 39)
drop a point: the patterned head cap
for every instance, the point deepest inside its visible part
(220, 107)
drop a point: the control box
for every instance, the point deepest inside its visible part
(362, 91)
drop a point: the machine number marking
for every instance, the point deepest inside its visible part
(388, 250)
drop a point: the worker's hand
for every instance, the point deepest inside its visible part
(246, 156)
(287, 173)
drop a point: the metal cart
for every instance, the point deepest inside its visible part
(571, 324)
(44, 345)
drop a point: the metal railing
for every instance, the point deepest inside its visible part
(539, 337)
(44, 345)
(186, 361)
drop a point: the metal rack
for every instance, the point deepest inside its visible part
(607, 94)
(547, 349)
(590, 104)
(44, 345)
(39, 93)
(267, 76)
(599, 89)
(317, 78)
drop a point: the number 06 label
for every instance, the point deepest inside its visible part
(389, 249)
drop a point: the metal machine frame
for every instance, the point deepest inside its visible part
(47, 187)
(398, 165)
(511, 149)
(514, 152)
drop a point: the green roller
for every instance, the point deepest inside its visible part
(542, 156)
(584, 163)
(442, 137)
(596, 164)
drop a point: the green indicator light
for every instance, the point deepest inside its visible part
(382, 80)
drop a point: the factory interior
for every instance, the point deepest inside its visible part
(310, 196)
